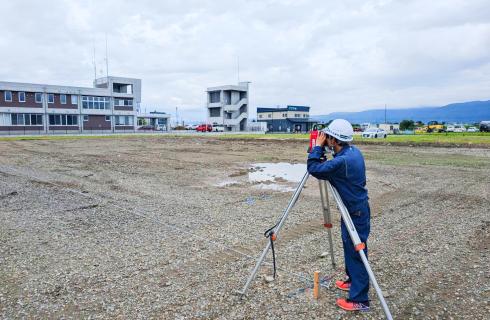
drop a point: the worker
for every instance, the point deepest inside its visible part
(347, 173)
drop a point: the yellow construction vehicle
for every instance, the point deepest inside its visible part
(434, 126)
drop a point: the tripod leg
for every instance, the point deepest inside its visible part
(327, 218)
(359, 246)
(277, 228)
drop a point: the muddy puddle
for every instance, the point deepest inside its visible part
(280, 176)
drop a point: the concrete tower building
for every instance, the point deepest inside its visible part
(228, 106)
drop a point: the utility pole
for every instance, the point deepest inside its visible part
(176, 116)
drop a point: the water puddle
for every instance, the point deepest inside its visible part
(280, 176)
(227, 183)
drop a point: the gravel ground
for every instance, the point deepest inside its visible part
(141, 228)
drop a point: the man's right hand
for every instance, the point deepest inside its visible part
(321, 139)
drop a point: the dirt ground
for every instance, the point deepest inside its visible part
(155, 227)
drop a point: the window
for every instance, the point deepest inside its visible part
(214, 96)
(50, 98)
(89, 102)
(54, 119)
(72, 120)
(63, 120)
(39, 97)
(5, 119)
(17, 119)
(107, 118)
(123, 102)
(63, 98)
(297, 115)
(260, 116)
(123, 120)
(269, 116)
(215, 112)
(8, 96)
(285, 115)
(85, 118)
(20, 119)
(74, 99)
(22, 96)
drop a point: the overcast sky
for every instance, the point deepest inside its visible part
(330, 55)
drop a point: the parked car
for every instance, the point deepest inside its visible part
(193, 127)
(204, 128)
(472, 129)
(450, 128)
(485, 126)
(219, 128)
(147, 127)
(374, 133)
(459, 128)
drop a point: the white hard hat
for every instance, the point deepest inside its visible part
(340, 129)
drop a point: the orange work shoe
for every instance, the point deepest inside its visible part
(342, 285)
(348, 305)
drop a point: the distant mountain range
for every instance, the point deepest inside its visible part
(464, 112)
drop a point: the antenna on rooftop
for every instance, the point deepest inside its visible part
(238, 67)
(106, 58)
(93, 61)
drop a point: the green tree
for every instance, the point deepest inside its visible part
(407, 125)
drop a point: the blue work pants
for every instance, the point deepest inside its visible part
(354, 267)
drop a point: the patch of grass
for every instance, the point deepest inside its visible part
(480, 138)
(428, 159)
(465, 139)
(95, 136)
(274, 136)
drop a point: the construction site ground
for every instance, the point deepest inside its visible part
(170, 228)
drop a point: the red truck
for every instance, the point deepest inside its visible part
(204, 128)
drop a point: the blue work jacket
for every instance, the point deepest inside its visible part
(346, 172)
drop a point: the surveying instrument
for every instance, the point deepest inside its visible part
(359, 246)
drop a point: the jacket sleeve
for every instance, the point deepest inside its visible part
(322, 170)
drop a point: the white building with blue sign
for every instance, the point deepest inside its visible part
(286, 119)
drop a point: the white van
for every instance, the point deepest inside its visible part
(459, 128)
(218, 128)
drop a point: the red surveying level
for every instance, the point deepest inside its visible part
(314, 134)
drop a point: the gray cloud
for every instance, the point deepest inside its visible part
(331, 55)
